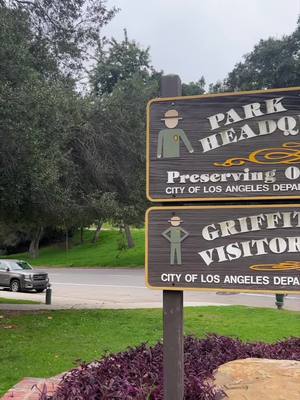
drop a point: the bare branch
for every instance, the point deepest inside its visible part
(31, 3)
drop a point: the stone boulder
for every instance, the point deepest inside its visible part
(259, 379)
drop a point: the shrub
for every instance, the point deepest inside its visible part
(137, 373)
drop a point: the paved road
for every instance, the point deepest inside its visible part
(125, 288)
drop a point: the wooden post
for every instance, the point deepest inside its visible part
(173, 351)
(173, 366)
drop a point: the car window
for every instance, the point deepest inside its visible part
(19, 265)
(2, 266)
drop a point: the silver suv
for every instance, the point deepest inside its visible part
(19, 275)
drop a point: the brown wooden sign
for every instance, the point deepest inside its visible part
(232, 248)
(230, 146)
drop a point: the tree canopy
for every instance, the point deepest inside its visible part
(72, 158)
(273, 63)
(38, 116)
(194, 88)
(119, 61)
(69, 30)
(69, 159)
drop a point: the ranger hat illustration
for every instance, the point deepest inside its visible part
(171, 114)
(175, 221)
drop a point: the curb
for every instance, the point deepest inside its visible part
(31, 388)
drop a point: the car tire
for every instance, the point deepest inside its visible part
(39, 290)
(15, 285)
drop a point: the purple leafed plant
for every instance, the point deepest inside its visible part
(136, 374)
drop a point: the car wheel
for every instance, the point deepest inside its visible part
(39, 290)
(15, 285)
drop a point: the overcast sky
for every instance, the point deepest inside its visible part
(201, 37)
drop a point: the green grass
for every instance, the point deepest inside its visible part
(47, 343)
(3, 300)
(105, 253)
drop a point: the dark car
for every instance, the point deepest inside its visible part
(19, 275)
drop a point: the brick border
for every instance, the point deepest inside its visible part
(31, 388)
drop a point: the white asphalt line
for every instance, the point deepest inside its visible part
(268, 295)
(94, 285)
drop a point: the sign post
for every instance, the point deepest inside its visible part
(173, 353)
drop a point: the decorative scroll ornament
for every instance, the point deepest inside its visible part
(283, 266)
(289, 153)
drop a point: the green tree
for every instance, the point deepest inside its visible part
(38, 116)
(119, 61)
(122, 82)
(194, 88)
(69, 30)
(103, 206)
(36, 171)
(114, 149)
(273, 63)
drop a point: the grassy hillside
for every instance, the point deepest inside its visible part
(105, 253)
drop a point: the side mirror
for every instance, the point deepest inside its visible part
(7, 269)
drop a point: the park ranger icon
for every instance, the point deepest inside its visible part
(169, 139)
(175, 235)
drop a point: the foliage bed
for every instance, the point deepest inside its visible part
(137, 373)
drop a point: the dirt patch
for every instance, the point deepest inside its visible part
(9, 326)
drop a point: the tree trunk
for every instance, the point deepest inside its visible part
(67, 240)
(97, 232)
(81, 234)
(130, 242)
(35, 242)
